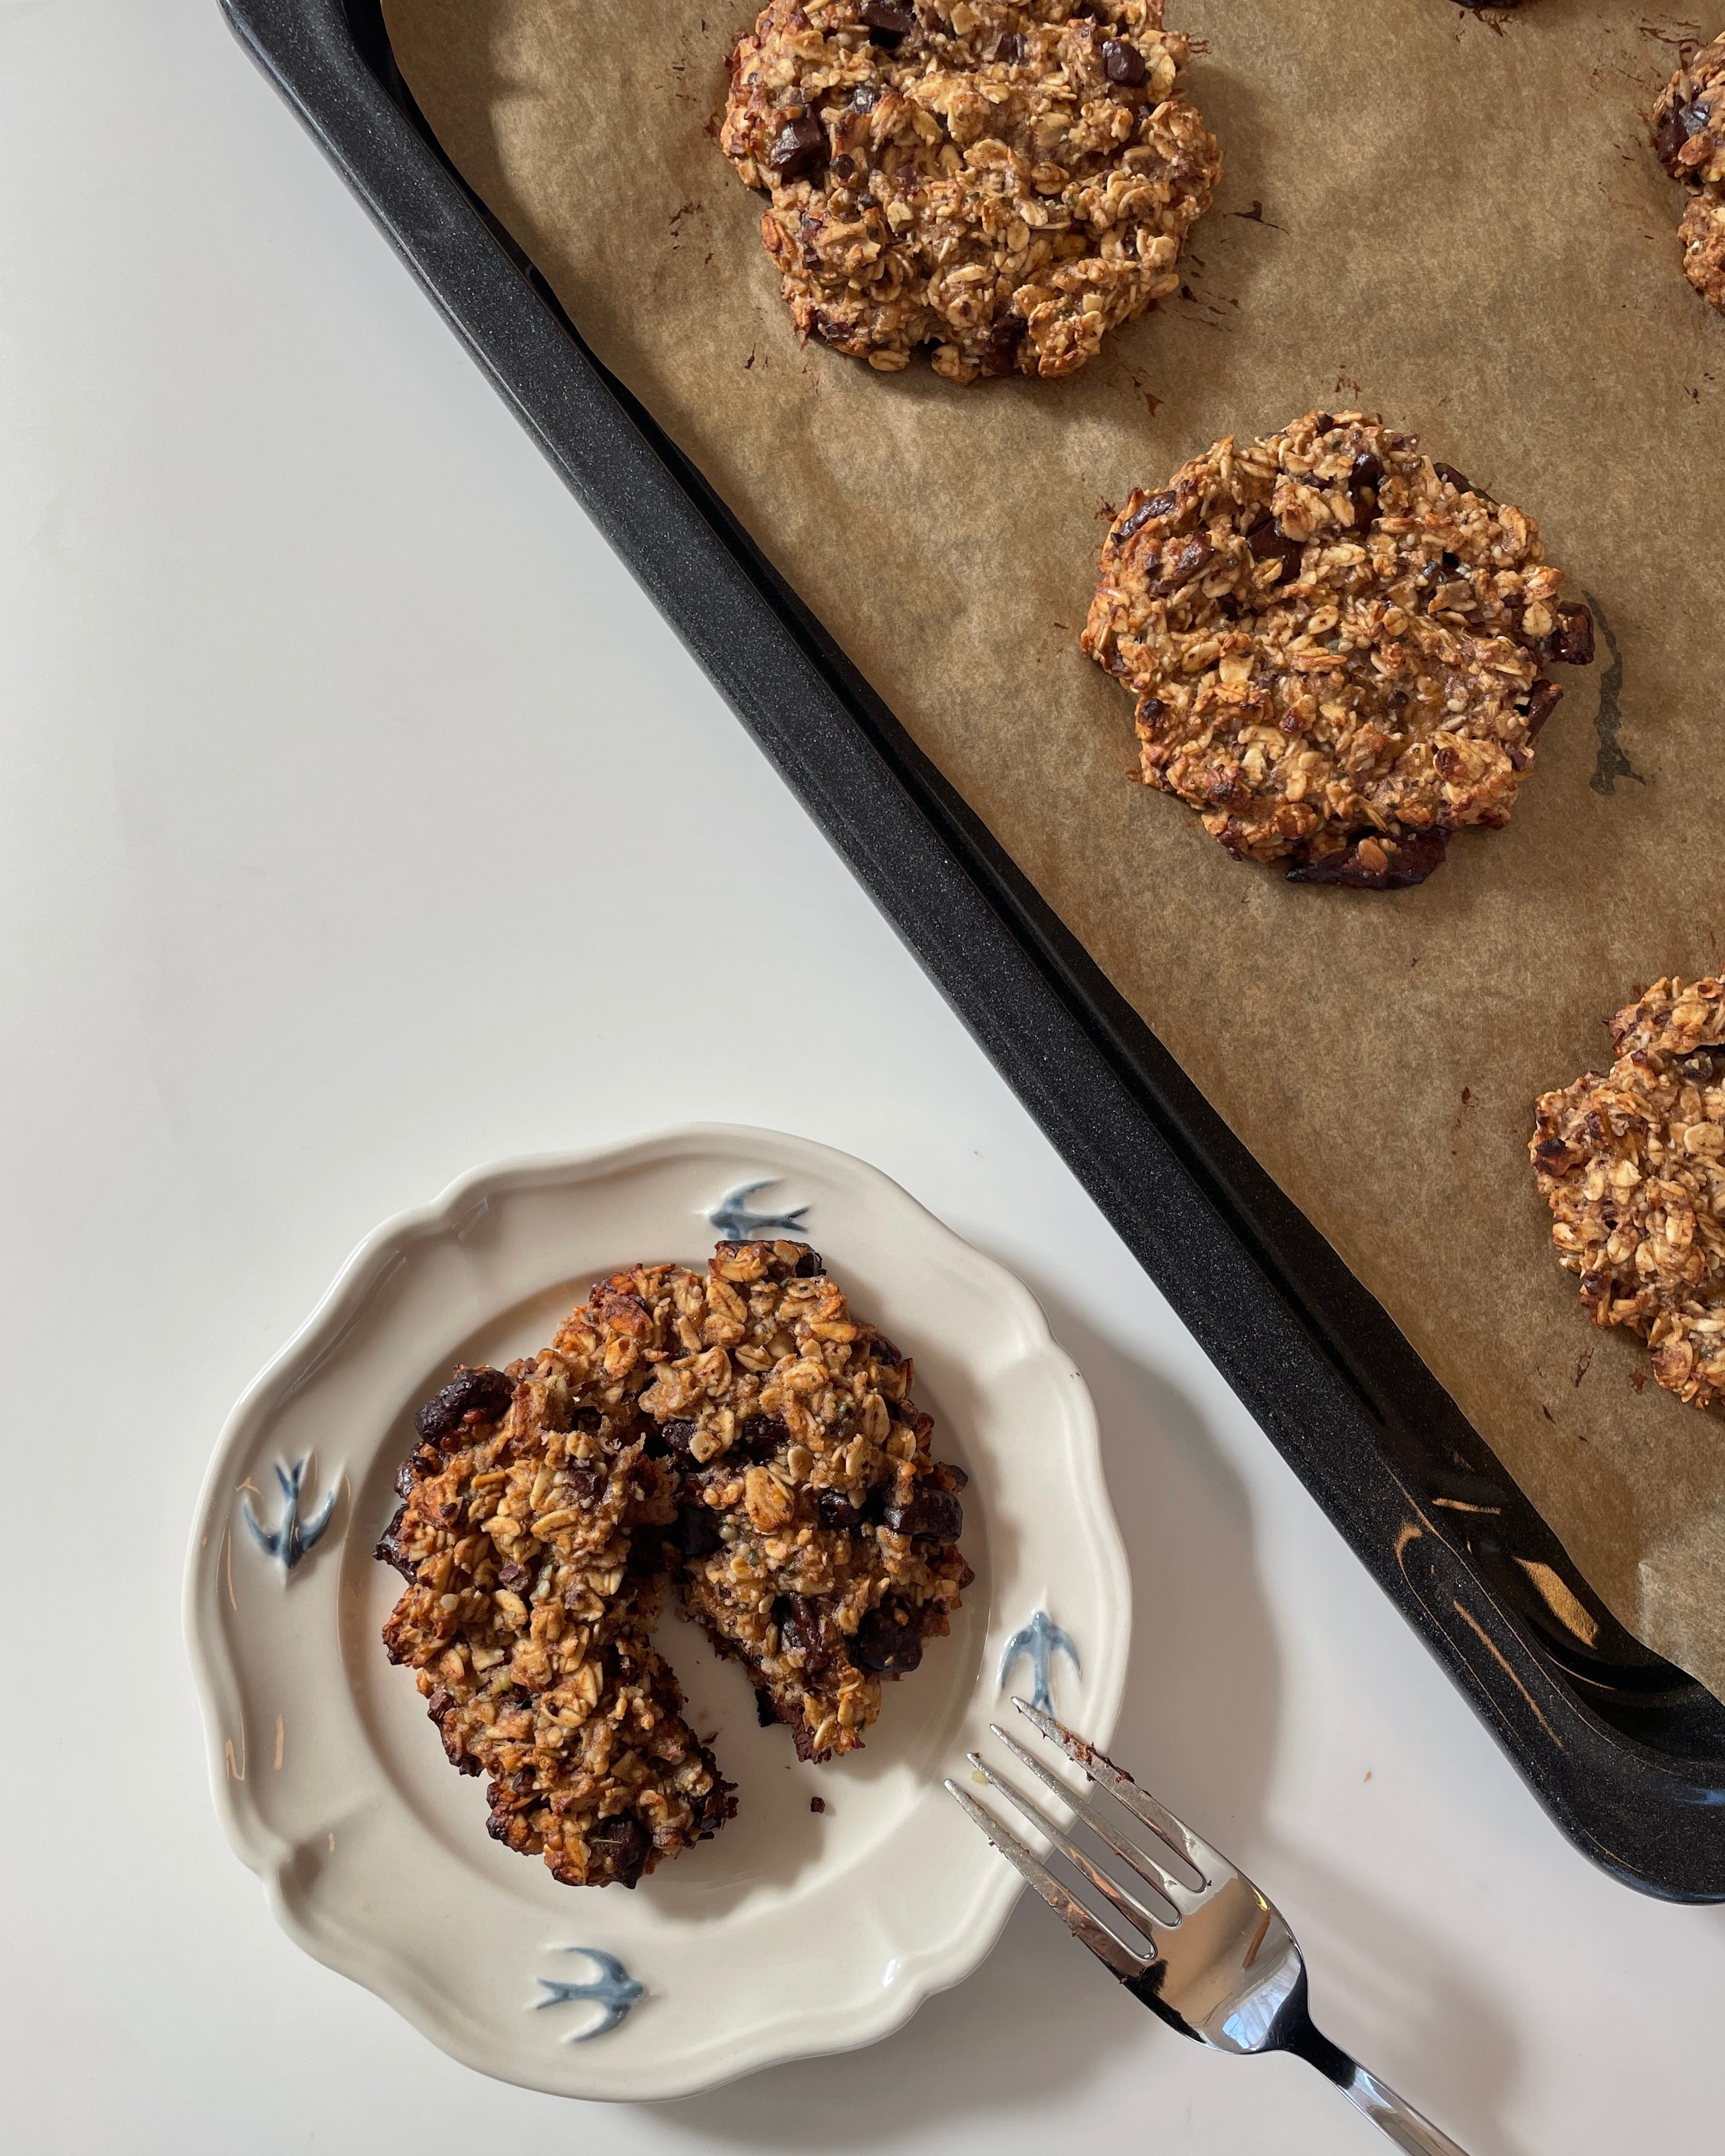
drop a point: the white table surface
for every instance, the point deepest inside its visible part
(332, 736)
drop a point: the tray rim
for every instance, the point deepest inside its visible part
(1242, 1268)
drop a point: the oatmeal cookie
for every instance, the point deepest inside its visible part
(1689, 133)
(1337, 647)
(1003, 182)
(818, 1539)
(525, 1510)
(1633, 1167)
(739, 1435)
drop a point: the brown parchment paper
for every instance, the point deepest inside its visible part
(1454, 220)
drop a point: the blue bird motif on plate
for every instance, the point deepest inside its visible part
(1039, 1640)
(613, 1989)
(735, 1221)
(295, 1533)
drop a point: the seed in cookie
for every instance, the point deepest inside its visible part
(1689, 135)
(1633, 1167)
(1002, 184)
(1336, 647)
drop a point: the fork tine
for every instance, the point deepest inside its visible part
(1175, 1892)
(1140, 1919)
(1213, 1868)
(1114, 1953)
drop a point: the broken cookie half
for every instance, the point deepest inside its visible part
(738, 1436)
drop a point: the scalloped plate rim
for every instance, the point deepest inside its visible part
(361, 1956)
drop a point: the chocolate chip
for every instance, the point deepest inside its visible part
(1408, 859)
(889, 22)
(1009, 49)
(1677, 124)
(1669, 135)
(766, 1713)
(1006, 340)
(799, 149)
(835, 1511)
(1152, 506)
(864, 97)
(760, 1436)
(808, 1266)
(1122, 63)
(817, 1803)
(1364, 477)
(474, 1390)
(1543, 701)
(717, 1806)
(414, 1469)
(587, 1418)
(514, 1576)
(679, 1434)
(698, 1530)
(587, 1482)
(388, 1550)
(1268, 544)
(1571, 643)
(621, 1846)
(1322, 422)
(801, 1630)
(931, 1516)
(886, 1645)
(843, 167)
(1183, 560)
(1702, 1066)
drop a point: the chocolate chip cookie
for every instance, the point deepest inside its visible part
(1337, 647)
(740, 1436)
(1633, 1167)
(1000, 183)
(1689, 133)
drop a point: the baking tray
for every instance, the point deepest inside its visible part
(1625, 1751)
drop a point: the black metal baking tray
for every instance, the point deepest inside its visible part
(1626, 1752)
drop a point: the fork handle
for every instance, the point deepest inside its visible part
(1391, 2114)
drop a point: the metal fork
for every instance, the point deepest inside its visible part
(1223, 1968)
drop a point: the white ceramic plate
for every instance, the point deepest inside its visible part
(792, 1932)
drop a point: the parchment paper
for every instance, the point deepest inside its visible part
(1454, 221)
